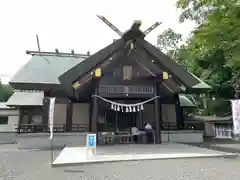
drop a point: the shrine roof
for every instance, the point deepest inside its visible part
(45, 69)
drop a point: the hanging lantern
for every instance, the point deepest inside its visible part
(118, 108)
(142, 107)
(134, 109)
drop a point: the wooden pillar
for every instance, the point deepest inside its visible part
(182, 117)
(95, 113)
(178, 111)
(157, 117)
(141, 123)
(116, 120)
(90, 115)
(69, 116)
(20, 116)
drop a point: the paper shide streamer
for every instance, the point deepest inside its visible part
(126, 107)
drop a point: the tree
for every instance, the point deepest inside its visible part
(168, 40)
(213, 50)
(5, 92)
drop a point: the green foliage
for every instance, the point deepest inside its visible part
(5, 92)
(168, 40)
(213, 50)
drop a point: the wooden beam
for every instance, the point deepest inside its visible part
(157, 118)
(89, 64)
(45, 53)
(180, 73)
(170, 82)
(69, 115)
(105, 67)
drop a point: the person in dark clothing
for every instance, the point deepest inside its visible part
(149, 133)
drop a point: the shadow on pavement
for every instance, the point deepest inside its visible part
(225, 145)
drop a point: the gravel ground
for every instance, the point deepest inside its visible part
(35, 165)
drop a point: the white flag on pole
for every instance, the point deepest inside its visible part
(51, 116)
(236, 115)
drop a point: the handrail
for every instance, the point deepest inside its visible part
(57, 128)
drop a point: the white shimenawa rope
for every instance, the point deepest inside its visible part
(125, 105)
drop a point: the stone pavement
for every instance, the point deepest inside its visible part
(80, 155)
(226, 145)
(35, 165)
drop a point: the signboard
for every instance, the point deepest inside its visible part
(51, 115)
(91, 142)
(236, 115)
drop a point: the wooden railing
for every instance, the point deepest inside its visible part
(186, 126)
(57, 128)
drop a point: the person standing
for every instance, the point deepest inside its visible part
(149, 132)
(135, 133)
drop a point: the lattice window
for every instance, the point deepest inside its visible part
(126, 89)
(127, 72)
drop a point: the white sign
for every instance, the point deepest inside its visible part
(51, 116)
(236, 115)
(91, 142)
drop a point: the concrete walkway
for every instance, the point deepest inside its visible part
(79, 155)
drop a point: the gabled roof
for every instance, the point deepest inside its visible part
(201, 84)
(24, 98)
(185, 101)
(45, 69)
(180, 76)
(170, 65)
(55, 69)
(3, 105)
(88, 64)
(214, 118)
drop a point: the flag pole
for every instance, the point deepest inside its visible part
(50, 122)
(51, 152)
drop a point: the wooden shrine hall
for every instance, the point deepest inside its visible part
(124, 85)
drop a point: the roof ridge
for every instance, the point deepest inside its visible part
(57, 54)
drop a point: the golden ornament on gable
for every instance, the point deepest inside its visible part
(165, 75)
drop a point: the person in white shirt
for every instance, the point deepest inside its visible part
(148, 126)
(135, 133)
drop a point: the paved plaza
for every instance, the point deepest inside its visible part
(35, 165)
(81, 155)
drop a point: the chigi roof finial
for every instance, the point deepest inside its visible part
(56, 50)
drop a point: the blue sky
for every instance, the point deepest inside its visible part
(72, 24)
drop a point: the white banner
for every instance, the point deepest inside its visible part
(236, 115)
(51, 116)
